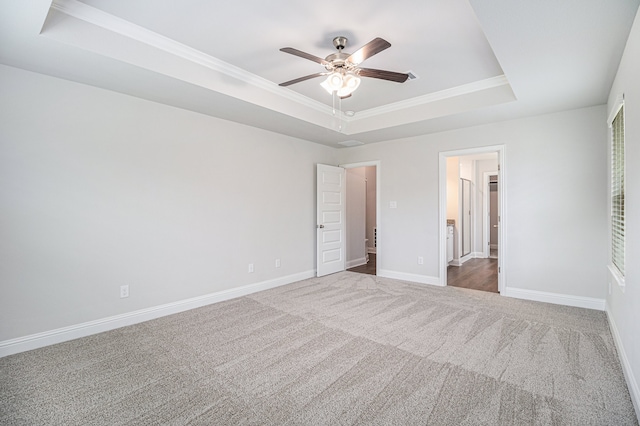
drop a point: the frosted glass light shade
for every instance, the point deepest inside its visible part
(333, 82)
(349, 84)
(343, 85)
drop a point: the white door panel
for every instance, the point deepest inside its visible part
(331, 196)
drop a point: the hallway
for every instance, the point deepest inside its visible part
(368, 268)
(475, 274)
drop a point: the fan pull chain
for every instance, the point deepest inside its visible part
(337, 109)
(333, 100)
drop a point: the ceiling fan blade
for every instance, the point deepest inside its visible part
(305, 55)
(306, 77)
(376, 45)
(398, 77)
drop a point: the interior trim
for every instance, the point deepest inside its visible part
(634, 389)
(555, 298)
(64, 334)
(482, 93)
(414, 278)
(132, 31)
(476, 86)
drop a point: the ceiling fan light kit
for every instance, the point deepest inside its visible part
(343, 69)
(343, 85)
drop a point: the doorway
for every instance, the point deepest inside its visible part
(361, 218)
(491, 217)
(466, 192)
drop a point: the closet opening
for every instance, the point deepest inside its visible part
(361, 218)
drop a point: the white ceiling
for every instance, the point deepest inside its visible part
(477, 61)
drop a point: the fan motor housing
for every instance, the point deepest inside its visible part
(337, 60)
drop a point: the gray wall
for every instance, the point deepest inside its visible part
(556, 183)
(356, 213)
(99, 189)
(624, 303)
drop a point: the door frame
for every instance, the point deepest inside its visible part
(377, 164)
(502, 198)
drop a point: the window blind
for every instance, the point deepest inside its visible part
(617, 191)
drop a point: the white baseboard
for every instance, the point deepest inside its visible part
(34, 341)
(632, 383)
(466, 258)
(558, 299)
(356, 262)
(460, 261)
(403, 276)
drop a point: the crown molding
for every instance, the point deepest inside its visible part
(453, 92)
(91, 15)
(362, 121)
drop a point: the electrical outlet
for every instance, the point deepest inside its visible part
(277, 263)
(124, 291)
(393, 204)
(251, 268)
(420, 260)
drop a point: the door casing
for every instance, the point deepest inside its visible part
(502, 198)
(377, 164)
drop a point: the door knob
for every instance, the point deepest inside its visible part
(320, 226)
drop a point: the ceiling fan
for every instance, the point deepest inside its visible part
(343, 68)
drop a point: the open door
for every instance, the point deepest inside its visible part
(330, 238)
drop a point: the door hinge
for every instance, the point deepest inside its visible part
(498, 269)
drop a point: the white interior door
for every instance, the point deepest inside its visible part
(330, 239)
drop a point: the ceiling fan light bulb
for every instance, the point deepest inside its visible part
(350, 84)
(335, 81)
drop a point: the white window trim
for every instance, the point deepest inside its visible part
(616, 276)
(617, 105)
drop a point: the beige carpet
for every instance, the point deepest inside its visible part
(340, 350)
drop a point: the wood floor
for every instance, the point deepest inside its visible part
(476, 274)
(369, 268)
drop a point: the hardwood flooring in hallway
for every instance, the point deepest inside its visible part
(368, 268)
(476, 274)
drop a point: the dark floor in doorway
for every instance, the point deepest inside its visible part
(368, 268)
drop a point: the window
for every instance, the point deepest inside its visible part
(617, 192)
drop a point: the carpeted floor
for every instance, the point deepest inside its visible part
(339, 350)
